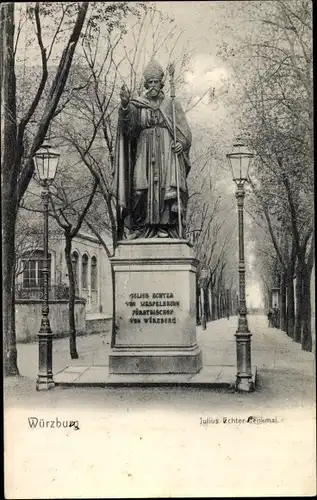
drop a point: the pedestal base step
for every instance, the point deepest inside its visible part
(168, 361)
(212, 377)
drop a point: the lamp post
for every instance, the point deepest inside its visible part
(203, 284)
(46, 160)
(239, 160)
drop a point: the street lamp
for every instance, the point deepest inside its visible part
(46, 161)
(203, 284)
(239, 160)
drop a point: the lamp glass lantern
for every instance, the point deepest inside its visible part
(239, 160)
(46, 161)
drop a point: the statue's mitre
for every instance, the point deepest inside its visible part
(153, 70)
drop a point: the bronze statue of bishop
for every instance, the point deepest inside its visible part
(151, 193)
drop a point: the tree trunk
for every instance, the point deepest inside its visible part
(290, 308)
(8, 226)
(219, 301)
(206, 304)
(213, 306)
(217, 306)
(283, 318)
(71, 303)
(299, 300)
(306, 340)
(9, 194)
(290, 293)
(306, 337)
(209, 302)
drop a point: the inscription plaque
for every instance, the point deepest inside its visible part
(152, 308)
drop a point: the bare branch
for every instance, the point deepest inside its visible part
(38, 95)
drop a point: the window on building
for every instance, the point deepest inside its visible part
(94, 273)
(84, 271)
(75, 270)
(32, 266)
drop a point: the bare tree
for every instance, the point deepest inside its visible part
(276, 99)
(24, 130)
(17, 164)
(70, 216)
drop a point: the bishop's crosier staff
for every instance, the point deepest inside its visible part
(171, 70)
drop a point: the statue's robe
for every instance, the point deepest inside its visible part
(146, 182)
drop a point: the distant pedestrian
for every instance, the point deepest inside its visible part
(270, 316)
(276, 314)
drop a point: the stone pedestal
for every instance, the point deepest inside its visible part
(155, 308)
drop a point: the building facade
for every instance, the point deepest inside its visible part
(91, 269)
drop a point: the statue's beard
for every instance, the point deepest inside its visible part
(153, 92)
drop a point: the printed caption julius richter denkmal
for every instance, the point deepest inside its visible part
(205, 421)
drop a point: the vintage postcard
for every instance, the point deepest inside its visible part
(158, 249)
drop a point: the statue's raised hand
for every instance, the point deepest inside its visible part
(124, 95)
